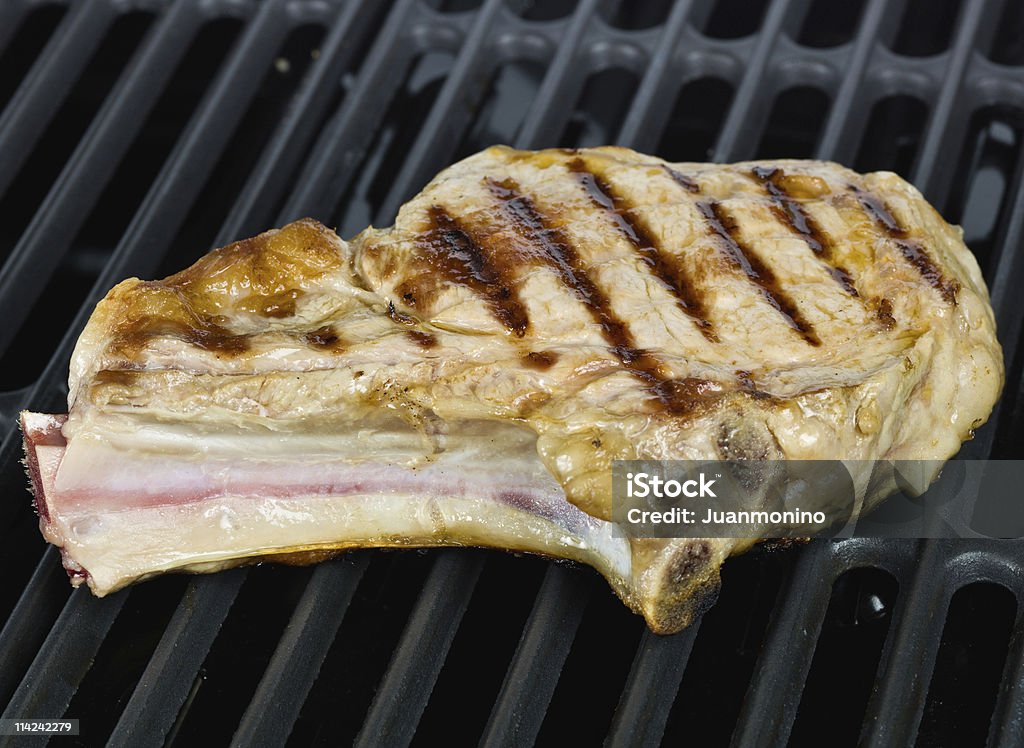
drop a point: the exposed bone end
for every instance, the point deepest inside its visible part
(676, 580)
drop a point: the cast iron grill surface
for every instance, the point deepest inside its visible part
(137, 134)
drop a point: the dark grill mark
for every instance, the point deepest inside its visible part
(745, 378)
(451, 249)
(422, 339)
(631, 226)
(126, 378)
(399, 317)
(556, 251)
(791, 214)
(875, 208)
(690, 390)
(212, 338)
(276, 306)
(541, 360)
(917, 256)
(883, 311)
(199, 332)
(724, 227)
(687, 183)
(324, 338)
(912, 251)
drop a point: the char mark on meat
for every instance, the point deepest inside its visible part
(791, 214)
(910, 249)
(723, 225)
(687, 183)
(461, 258)
(554, 247)
(631, 226)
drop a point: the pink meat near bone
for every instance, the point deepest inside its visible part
(468, 376)
(243, 506)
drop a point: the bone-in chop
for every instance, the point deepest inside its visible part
(468, 376)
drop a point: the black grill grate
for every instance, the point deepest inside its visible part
(128, 152)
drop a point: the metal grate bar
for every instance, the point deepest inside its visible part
(561, 82)
(651, 689)
(658, 85)
(985, 560)
(409, 680)
(11, 403)
(846, 116)
(895, 557)
(297, 130)
(537, 663)
(300, 653)
(933, 169)
(1005, 279)
(548, 113)
(450, 113)
(770, 705)
(39, 605)
(48, 83)
(894, 710)
(345, 138)
(98, 154)
(1007, 728)
(166, 681)
(739, 132)
(11, 15)
(69, 649)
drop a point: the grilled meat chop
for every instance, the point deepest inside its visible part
(467, 376)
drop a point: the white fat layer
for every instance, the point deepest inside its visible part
(209, 506)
